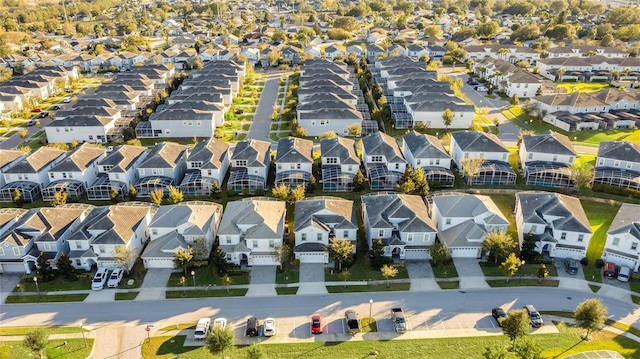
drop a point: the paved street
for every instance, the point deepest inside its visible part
(261, 123)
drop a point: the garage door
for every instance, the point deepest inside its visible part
(262, 260)
(312, 257)
(158, 263)
(17, 267)
(416, 254)
(568, 253)
(464, 252)
(619, 260)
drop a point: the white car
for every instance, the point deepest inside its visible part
(202, 329)
(66, 99)
(269, 327)
(115, 278)
(481, 88)
(100, 279)
(219, 323)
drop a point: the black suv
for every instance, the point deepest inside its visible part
(571, 266)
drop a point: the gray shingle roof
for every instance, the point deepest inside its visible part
(264, 219)
(424, 146)
(469, 206)
(381, 144)
(253, 151)
(8, 156)
(79, 159)
(34, 163)
(164, 155)
(211, 153)
(384, 208)
(340, 147)
(538, 205)
(123, 157)
(626, 221)
(294, 150)
(549, 142)
(625, 151)
(325, 211)
(474, 141)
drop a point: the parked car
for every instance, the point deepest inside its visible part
(609, 270)
(66, 99)
(624, 274)
(498, 314)
(399, 321)
(534, 316)
(108, 74)
(239, 112)
(115, 278)
(473, 82)
(31, 123)
(100, 279)
(480, 88)
(36, 110)
(353, 322)
(43, 114)
(316, 324)
(202, 329)
(571, 266)
(55, 107)
(252, 327)
(219, 323)
(269, 327)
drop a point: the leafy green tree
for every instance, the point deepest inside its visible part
(407, 186)
(45, 271)
(528, 249)
(440, 253)
(341, 251)
(183, 258)
(378, 259)
(543, 272)
(359, 181)
(420, 182)
(590, 315)
(344, 275)
(495, 352)
(254, 351)
(125, 257)
(388, 271)
(471, 168)
(36, 341)
(156, 196)
(582, 175)
(219, 261)
(516, 324)
(280, 192)
(514, 100)
(447, 118)
(296, 194)
(65, 267)
(328, 134)
(133, 193)
(220, 339)
(282, 252)
(499, 244)
(510, 266)
(488, 29)
(115, 195)
(527, 349)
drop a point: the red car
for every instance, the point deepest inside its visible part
(36, 110)
(316, 324)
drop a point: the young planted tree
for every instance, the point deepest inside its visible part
(59, 198)
(516, 324)
(125, 257)
(182, 259)
(227, 280)
(340, 251)
(133, 193)
(45, 271)
(440, 254)
(510, 266)
(114, 195)
(219, 261)
(281, 192)
(65, 267)
(254, 351)
(17, 198)
(282, 252)
(175, 195)
(359, 181)
(36, 341)
(447, 118)
(344, 275)
(590, 315)
(420, 181)
(296, 194)
(499, 244)
(156, 196)
(220, 339)
(378, 259)
(528, 249)
(582, 175)
(471, 168)
(388, 271)
(543, 272)
(495, 352)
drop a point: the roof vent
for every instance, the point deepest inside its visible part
(627, 149)
(485, 140)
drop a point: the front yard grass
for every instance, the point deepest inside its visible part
(600, 216)
(205, 276)
(58, 284)
(288, 276)
(444, 270)
(58, 348)
(591, 273)
(635, 299)
(50, 330)
(516, 282)
(206, 293)
(19, 299)
(361, 270)
(571, 87)
(286, 290)
(491, 269)
(449, 284)
(568, 341)
(594, 288)
(634, 285)
(126, 296)
(179, 326)
(368, 288)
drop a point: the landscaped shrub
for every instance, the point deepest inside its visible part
(599, 263)
(584, 261)
(540, 260)
(627, 192)
(259, 192)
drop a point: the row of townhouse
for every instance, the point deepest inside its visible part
(505, 52)
(198, 106)
(507, 77)
(416, 96)
(606, 109)
(19, 92)
(375, 52)
(103, 116)
(330, 99)
(591, 68)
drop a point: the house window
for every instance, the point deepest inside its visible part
(47, 247)
(1, 252)
(78, 263)
(51, 175)
(555, 158)
(319, 236)
(448, 221)
(199, 123)
(634, 246)
(78, 245)
(298, 166)
(397, 166)
(196, 164)
(279, 166)
(304, 237)
(255, 244)
(376, 158)
(332, 160)
(101, 249)
(228, 238)
(272, 243)
(167, 131)
(534, 228)
(381, 233)
(563, 236)
(438, 162)
(141, 171)
(580, 237)
(409, 237)
(418, 161)
(154, 231)
(629, 165)
(345, 234)
(616, 163)
(16, 251)
(117, 176)
(292, 166)
(90, 137)
(616, 241)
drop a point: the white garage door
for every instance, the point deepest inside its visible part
(568, 253)
(262, 260)
(619, 260)
(312, 257)
(464, 252)
(416, 254)
(17, 267)
(158, 263)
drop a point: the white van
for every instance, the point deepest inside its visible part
(202, 328)
(624, 274)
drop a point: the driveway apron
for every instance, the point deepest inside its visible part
(312, 279)
(421, 276)
(470, 274)
(263, 279)
(154, 285)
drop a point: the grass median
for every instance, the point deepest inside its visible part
(206, 293)
(19, 299)
(58, 348)
(368, 288)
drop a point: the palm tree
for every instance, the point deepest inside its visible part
(561, 71)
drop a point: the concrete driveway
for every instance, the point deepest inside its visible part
(8, 281)
(570, 281)
(470, 274)
(421, 276)
(263, 279)
(155, 283)
(261, 123)
(312, 279)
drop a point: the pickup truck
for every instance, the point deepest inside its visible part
(399, 322)
(353, 322)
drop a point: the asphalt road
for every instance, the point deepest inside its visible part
(261, 123)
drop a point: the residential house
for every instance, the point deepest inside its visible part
(339, 164)
(618, 165)
(31, 175)
(557, 221)
(383, 161)
(251, 229)
(294, 162)
(117, 171)
(506, 77)
(74, 174)
(463, 221)
(356, 50)
(94, 242)
(623, 238)
(495, 169)
(317, 221)
(13, 245)
(402, 222)
(250, 165)
(545, 160)
(207, 166)
(181, 226)
(427, 153)
(8, 159)
(333, 52)
(163, 167)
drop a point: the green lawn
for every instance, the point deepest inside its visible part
(449, 285)
(206, 293)
(368, 288)
(361, 270)
(288, 276)
(571, 87)
(444, 270)
(368, 325)
(126, 296)
(50, 330)
(591, 273)
(59, 348)
(205, 276)
(504, 202)
(565, 343)
(19, 299)
(528, 270)
(594, 288)
(286, 290)
(56, 285)
(516, 282)
(635, 299)
(634, 284)
(600, 216)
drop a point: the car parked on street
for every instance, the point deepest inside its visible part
(316, 324)
(202, 329)
(252, 327)
(219, 323)
(480, 88)
(100, 279)
(36, 110)
(31, 123)
(115, 278)
(66, 99)
(44, 114)
(55, 107)
(269, 329)
(534, 316)
(571, 266)
(353, 321)
(498, 314)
